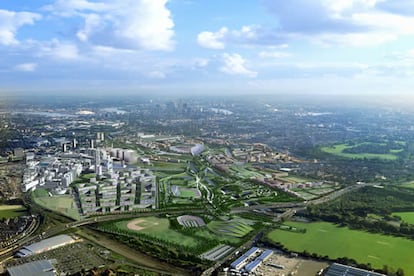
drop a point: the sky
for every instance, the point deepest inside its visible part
(207, 46)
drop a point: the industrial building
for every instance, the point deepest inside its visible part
(345, 270)
(242, 260)
(36, 268)
(265, 255)
(45, 245)
(251, 267)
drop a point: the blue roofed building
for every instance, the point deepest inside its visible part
(251, 267)
(345, 270)
(242, 260)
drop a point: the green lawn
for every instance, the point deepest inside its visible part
(244, 172)
(325, 238)
(409, 184)
(63, 204)
(159, 228)
(189, 193)
(407, 217)
(12, 211)
(338, 150)
(40, 193)
(297, 179)
(232, 228)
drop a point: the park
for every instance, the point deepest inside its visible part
(327, 239)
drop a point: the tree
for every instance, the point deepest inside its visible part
(400, 272)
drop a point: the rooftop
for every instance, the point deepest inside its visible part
(36, 268)
(344, 270)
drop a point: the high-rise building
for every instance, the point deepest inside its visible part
(64, 147)
(97, 161)
(100, 136)
(74, 143)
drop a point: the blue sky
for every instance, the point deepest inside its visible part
(214, 46)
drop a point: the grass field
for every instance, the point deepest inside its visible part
(63, 204)
(222, 238)
(328, 239)
(244, 172)
(338, 150)
(296, 179)
(232, 228)
(409, 184)
(160, 228)
(12, 211)
(407, 217)
(190, 193)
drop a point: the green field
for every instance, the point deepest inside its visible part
(222, 238)
(189, 193)
(63, 204)
(338, 151)
(244, 172)
(407, 217)
(12, 211)
(409, 184)
(231, 228)
(296, 179)
(158, 228)
(328, 239)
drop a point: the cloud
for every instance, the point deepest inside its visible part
(59, 50)
(106, 51)
(93, 22)
(212, 40)
(128, 24)
(69, 8)
(26, 67)
(246, 35)
(274, 54)
(234, 64)
(402, 7)
(157, 75)
(201, 62)
(10, 22)
(345, 22)
(304, 16)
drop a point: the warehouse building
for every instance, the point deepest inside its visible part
(36, 268)
(345, 270)
(251, 267)
(265, 255)
(45, 245)
(241, 261)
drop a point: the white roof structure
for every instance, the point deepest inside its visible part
(36, 268)
(45, 245)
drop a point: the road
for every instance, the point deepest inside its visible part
(283, 205)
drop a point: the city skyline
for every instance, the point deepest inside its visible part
(325, 46)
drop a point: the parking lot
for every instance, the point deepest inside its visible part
(71, 259)
(291, 266)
